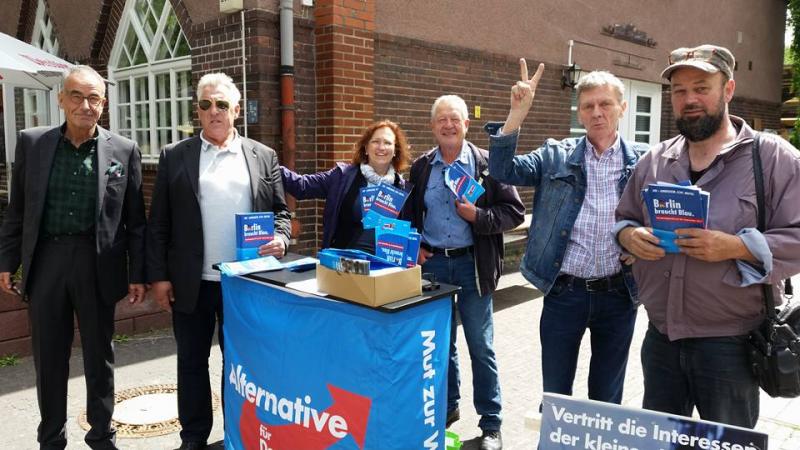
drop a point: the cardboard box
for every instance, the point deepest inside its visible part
(371, 290)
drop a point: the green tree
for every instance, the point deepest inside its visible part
(793, 20)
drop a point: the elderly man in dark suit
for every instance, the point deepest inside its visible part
(76, 224)
(202, 182)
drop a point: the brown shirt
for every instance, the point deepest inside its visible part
(686, 297)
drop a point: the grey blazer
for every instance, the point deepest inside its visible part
(120, 219)
(175, 230)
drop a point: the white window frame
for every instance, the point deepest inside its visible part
(42, 101)
(627, 126)
(150, 70)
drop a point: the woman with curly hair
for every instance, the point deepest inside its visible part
(378, 157)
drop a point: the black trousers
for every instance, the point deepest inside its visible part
(194, 333)
(63, 284)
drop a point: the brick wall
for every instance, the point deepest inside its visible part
(14, 328)
(27, 19)
(344, 38)
(767, 114)
(217, 47)
(411, 74)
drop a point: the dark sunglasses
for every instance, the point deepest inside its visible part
(222, 105)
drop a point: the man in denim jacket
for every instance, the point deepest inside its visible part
(571, 255)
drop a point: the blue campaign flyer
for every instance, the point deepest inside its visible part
(252, 231)
(388, 202)
(396, 226)
(462, 184)
(391, 240)
(391, 246)
(263, 264)
(412, 249)
(367, 197)
(674, 206)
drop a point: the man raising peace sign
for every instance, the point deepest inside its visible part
(571, 254)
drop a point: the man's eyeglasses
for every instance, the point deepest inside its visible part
(222, 105)
(77, 99)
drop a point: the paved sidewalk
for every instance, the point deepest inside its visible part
(150, 359)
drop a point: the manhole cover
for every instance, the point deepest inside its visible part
(146, 411)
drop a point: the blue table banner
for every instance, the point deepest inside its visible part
(303, 372)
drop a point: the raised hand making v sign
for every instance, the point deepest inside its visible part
(522, 95)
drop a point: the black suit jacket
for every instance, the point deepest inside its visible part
(175, 231)
(120, 224)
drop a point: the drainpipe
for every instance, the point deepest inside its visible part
(244, 79)
(288, 135)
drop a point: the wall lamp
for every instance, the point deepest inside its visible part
(569, 76)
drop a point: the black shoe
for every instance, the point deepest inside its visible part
(491, 440)
(192, 446)
(452, 417)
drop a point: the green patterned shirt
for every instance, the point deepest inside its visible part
(72, 189)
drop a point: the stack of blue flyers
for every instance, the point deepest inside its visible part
(412, 248)
(391, 239)
(674, 206)
(265, 264)
(388, 202)
(395, 241)
(462, 184)
(262, 264)
(342, 260)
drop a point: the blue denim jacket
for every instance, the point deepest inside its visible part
(557, 172)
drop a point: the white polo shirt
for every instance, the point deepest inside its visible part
(224, 190)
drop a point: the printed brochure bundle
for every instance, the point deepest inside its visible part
(462, 184)
(252, 231)
(674, 206)
(381, 201)
(395, 240)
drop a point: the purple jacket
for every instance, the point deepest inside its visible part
(331, 185)
(689, 298)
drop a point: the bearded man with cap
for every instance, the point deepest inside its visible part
(704, 301)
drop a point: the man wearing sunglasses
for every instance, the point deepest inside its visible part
(202, 182)
(76, 226)
(703, 302)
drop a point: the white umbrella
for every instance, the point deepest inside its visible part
(24, 65)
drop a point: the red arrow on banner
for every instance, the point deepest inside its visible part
(317, 435)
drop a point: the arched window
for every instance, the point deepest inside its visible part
(151, 66)
(40, 105)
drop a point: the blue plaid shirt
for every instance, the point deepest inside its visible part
(444, 228)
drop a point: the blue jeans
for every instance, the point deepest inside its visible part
(568, 311)
(475, 312)
(712, 374)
